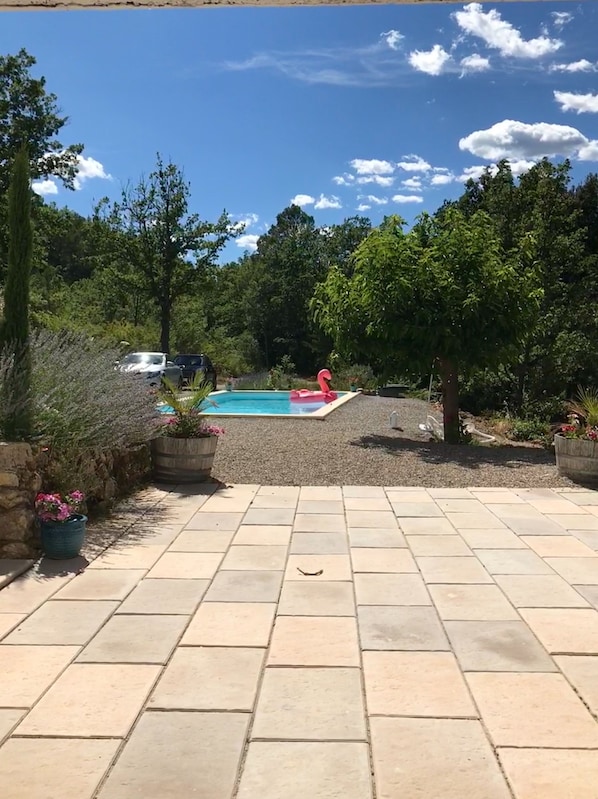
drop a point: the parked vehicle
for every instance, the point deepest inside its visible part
(152, 366)
(192, 364)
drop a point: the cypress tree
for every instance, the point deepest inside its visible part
(15, 328)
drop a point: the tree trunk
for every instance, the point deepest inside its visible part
(450, 401)
(165, 327)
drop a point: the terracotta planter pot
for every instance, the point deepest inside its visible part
(183, 460)
(577, 459)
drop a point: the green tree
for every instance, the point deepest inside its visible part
(443, 293)
(169, 247)
(15, 329)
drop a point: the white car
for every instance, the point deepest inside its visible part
(153, 366)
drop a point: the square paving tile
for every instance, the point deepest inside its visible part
(400, 628)
(455, 505)
(556, 506)
(62, 623)
(551, 773)
(322, 493)
(589, 592)
(275, 500)
(497, 646)
(298, 770)
(320, 506)
(559, 546)
(435, 759)
(101, 584)
(376, 559)
(496, 496)
(492, 539)
(263, 535)
(202, 541)
(92, 700)
(319, 523)
(165, 596)
(515, 709)
(582, 673)
(249, 586)
(415, 684)
(478, 520)
(9, 718)
(276, 516)
(255, 558)
(425, 510)
(582, 497)
(565, 631)
(539, 591)
(231, 624)
(450, 493)
(209, 678)
(365, 492)
(129, 556)
(513, 561)
(170, 754)
(214, 521)
(575, 521)
(381, 519)
(34, 768)
(186, 566)
(540, 525)
(8, 621)
(588, 537)
(316, 599)
(426, 526)
(234, 504)
(453, 570)
(314, 641)
(333, 567)
(520, 510)
(580, 571)
(129, 639)
(472, 603)
(367, 503)
(28, 670)
(372, 537)
(310, 704)
(391, 589)
(26, 593)
(434, 545)
(319, 544)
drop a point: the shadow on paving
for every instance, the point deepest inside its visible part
(469, 457)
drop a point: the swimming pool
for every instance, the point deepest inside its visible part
(268, 403)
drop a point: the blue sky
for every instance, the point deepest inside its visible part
(366, 109)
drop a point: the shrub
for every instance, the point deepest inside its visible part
(530, 430)
(282, 376)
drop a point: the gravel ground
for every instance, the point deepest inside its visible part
(355, 446)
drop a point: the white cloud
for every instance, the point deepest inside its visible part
(302, 199)
(327, 202)
(393, 39)
(88, 169)
(432, 62)
(363, 207)
(442, 179)
(561, 18)
(371, 198)
(575, 66)
(412, 183)
(500, 35)
(247, 220)
(379, 180)
(474, 172)
(248, 242)
(580, 103)
(344, 180)
(413, 163)
(519, 167)
(589, 152)
(407, 198)
(44, 187)
(373, 166)
(519, 140)
(474, 63)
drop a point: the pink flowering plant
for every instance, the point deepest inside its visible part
(58, 508)
(582, 421)
(187, 419)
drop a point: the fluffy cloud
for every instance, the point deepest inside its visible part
(474, 172)
(363, 207)
(442, 179)
(589, 152)
(44, 187)
(344, 180)
(302, 199)
(580, 103)
(327, 202)
(379, 180)
(392, 38)
(373, 166)
(88, 169)
(575, 66)
(248, 242)
(520, 141)
(561, 18)
(407, 198)
(474, 63)
(247, 220)
(500, 35)
(432, 62)
(412, 183)
(413, 163)
(371, 198)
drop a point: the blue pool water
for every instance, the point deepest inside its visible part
(258, 402)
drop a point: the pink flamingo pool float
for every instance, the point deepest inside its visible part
(325, 395)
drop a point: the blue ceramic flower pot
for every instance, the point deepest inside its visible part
(63, 540)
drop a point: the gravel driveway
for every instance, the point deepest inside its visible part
(355, 446)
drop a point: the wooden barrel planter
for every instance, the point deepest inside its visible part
(183, 460)
(577, 459)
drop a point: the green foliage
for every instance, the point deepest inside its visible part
(585, 406)
(282, 376)
(188, 421)
(530, 430)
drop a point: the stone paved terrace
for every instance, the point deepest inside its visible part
(445, 648)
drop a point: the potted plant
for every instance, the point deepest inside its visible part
(62, 527)
(183, 451)
(353, 381)
(576, 443)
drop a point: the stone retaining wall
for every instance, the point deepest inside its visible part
(116, 473)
